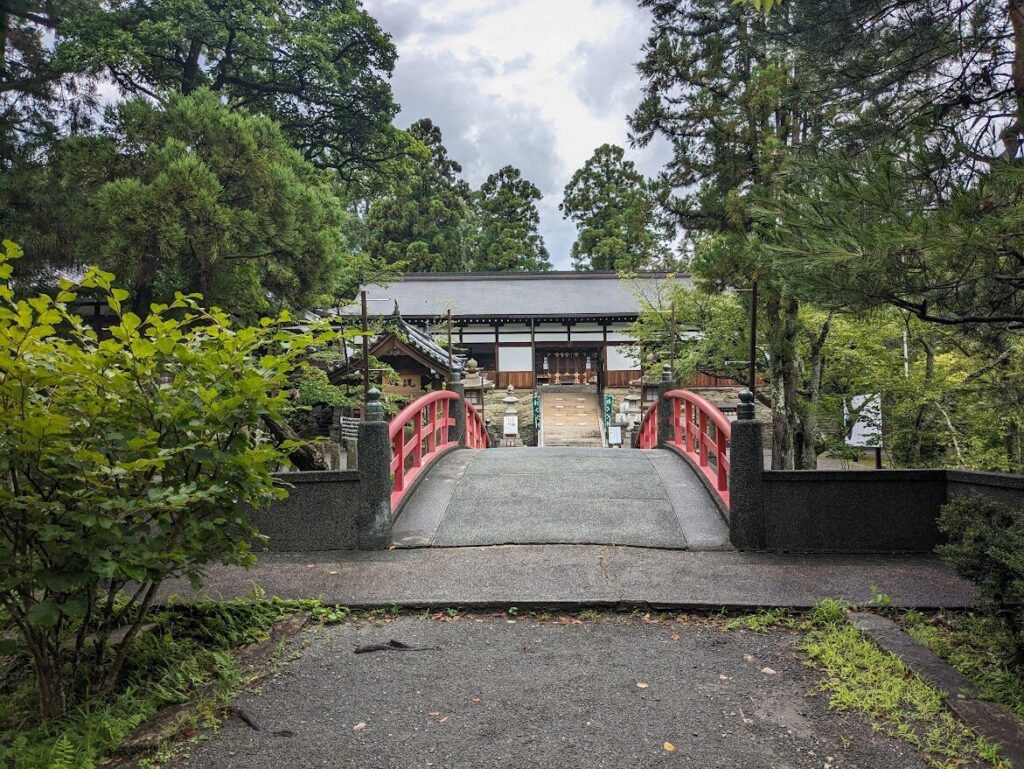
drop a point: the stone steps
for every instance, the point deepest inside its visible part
(570, 417)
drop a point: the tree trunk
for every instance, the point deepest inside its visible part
(782, 333)
(809, 433)
(917, 437)
(1012, 134)
(304, 458)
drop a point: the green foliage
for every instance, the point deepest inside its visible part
(762, 621)
(126, 460)
(507, 219)
(829, 612)
(422, 223)
(711, 329)
(321, 69)
(861, 678)
(986, 545)
(188, 648)
(977, 645)
(613, 208)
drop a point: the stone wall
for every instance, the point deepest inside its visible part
(322, 512)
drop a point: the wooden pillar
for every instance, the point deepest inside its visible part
(533, 353)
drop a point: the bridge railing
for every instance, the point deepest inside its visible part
(476, 428)
(423, 431)
(696, 428)
(419, 433)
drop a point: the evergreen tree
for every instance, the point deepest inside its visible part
(613, 208)
(507, 220)
(734, 100)
(195, 197)
(421, 225)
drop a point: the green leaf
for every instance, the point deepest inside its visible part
(44, 614)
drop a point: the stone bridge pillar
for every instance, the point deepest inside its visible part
(457, 432)
(664, 407)
(374, 524)
(746, 463)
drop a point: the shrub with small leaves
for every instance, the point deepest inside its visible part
(986, 545)
(124, 460)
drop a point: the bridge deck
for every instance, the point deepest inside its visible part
(561, 495)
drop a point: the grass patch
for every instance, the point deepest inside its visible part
(189, 647)
(859, 677)
(762, 621)
(978, 646)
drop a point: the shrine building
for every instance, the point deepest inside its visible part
(531, 330)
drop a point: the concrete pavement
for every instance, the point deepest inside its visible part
(561, 495)
(587, 575)
(611, 693)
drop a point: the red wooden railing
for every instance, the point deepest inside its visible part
(700, 431)
(422, 431)
(476, 428)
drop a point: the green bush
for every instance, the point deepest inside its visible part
(124, 460)
(986, 545)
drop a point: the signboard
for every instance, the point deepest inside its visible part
(511, 424)
(409, 385)
(866, 431)
(614, 436)
(607, 410)
(536, 412)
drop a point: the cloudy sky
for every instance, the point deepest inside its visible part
(538, 84)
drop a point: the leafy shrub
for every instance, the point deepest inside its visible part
(124, 461)
(986, 545)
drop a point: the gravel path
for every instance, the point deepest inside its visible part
(614, 692)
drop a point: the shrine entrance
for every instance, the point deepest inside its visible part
(560, 365)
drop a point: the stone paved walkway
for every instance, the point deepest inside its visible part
(611, 693)
(561, 495)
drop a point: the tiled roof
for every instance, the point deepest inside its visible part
(540, 294)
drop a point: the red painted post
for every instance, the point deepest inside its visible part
(702, 432)
(689, 427)
(677, 429)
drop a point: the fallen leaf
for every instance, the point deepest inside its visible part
(332, 572)
(443, 720)
(675, 636)
(768, 671)
(359, 727)
(641, 685)
(748, 657)
(434, 713)
(668, 747)
(723, 677)
(476, 700)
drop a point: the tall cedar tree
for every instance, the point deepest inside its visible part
(721, 85)
(507, 221)
(422, 224)
(613, 208)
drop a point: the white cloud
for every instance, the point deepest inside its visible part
(532, 83)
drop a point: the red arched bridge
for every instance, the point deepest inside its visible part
(670, 490)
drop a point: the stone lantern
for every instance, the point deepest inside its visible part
(475, 385)
(510, 420)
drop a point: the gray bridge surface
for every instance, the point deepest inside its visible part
(561, 496)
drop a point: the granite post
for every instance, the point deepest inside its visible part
(375, 475)
(746, 490)
(665, 430)
(457, 432)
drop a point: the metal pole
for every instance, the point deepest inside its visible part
(752, 374)
(366, 347)
(451, 372)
